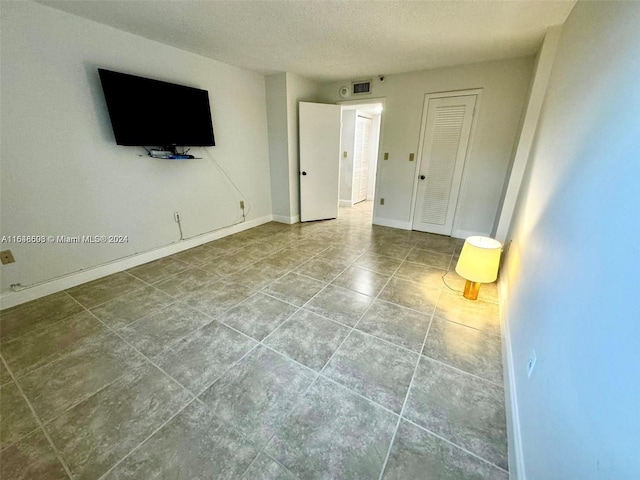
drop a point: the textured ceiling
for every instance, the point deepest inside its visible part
(334, 40)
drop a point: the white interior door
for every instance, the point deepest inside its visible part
(445, 138)
(319, 126)
(361, 159)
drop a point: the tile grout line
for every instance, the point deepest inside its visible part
(371, 335)
(302, 395)
(39, 421)
(39, 329)
(106, 385)
(289, 412)
(479, 330)
(459, 447)
(116, 333)
(309, 300)
(82, 398)
(464, 372)
(109, 331)
(7, 384)
(298, 308)
(135, 289)
(319, 373)
(194, 399)
(250, 465)
(264, 452)
(329, 379)
(246, 354)
(150, 359)
(358, 321)
(360, 293)
(358, 394)
(225, 371)
(406, 398)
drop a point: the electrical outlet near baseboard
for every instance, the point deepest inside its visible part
(7, 257)
(382, 201)
(242, 204)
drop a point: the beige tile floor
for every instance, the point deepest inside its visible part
(324, 350)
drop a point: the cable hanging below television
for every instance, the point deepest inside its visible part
(152, 113)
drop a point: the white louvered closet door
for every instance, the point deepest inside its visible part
(445, 139)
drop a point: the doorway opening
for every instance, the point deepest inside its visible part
(360, 141)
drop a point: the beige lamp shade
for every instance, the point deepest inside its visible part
(479, 259)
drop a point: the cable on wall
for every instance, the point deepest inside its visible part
(245, 213)
(17, 287)
(179, 222)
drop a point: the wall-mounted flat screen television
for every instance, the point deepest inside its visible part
(146, 112)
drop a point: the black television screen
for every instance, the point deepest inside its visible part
(146, 112)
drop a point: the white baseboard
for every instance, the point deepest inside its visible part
(287, 220)
(387, 222)
(516, 457)
(13, 298)
(345, 203)
(468, 233)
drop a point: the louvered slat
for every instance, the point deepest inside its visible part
(447, 128)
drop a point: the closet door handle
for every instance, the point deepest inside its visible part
(422, 177)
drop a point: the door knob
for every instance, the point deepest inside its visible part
(422, 177)
(304, 173)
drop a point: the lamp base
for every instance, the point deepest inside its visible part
(471, 290)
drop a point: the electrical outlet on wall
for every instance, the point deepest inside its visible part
(381, 201)
(242, 204)
(7, 257)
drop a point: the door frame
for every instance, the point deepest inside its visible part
(474, 122)
(371, 132)
(364, 101)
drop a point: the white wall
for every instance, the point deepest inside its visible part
(505, 85)
(373, 161)
(63, 174)
(530, 118)
(570, 283)
(347, 144)
(284, 92)
(277, 114)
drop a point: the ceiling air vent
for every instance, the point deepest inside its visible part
(362, 87)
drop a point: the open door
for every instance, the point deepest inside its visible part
(319, 126)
